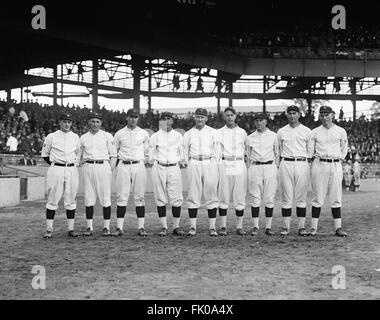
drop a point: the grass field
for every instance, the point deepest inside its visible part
(201, 267)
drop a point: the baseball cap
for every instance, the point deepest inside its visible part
(261, 115)
(292, 108)
(65, 116)
(230, 109)
(201, 112)
(133, 113)
(166, 114)
(95, 115)
(326, 109)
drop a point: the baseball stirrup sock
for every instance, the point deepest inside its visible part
(336, 213)
(211, 213)
(161, 211)
(222, 212)
(50, 214)
(286, 212)
(268, 212)
(176, 212)
(120, 211)
(255, 212)
(107, 213)
(193, 213)
(239, 213)
(140, 212)
(301, 212)
(70, 214)
(315, 212)
(89, 212)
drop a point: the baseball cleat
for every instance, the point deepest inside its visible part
(88, 232)
(223, 231)
(118, 232)
(73, 234)
(142, 233)
(312, 232)
(269, 232)
(48, 234)
(284, 232)
(178, 232)
(163, 232)
(340, 233)
(240, 232)
(255, 231)
(213, 233)
(192, 232)
(302, 232)
(106, 232)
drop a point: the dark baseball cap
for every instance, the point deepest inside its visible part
(326, 109)
(166, 114)
(230, 109)
(201, 112)
(66, 116)
(261, 115)
(292, 108)
(133, 113)
(95, 115)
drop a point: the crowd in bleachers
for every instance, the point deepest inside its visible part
(23, 127)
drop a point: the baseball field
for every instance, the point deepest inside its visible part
(201, 267)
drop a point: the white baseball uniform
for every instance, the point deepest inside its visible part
(262, 178)
(232, 169)
(97, 176)
(326, 176)
(166, 151)
(62, 148)
(294, 174)
(132, 145)
(202, 153)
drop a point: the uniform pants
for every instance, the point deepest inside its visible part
(294, 178)
(326, 179)
(62, 180)
(262, 185)
(202, 176)
(232, 187)
(167, 185)
(97, 183)
(130, 178)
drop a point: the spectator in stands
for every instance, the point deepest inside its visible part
(12, 143)
(27, 160)
(25, 145)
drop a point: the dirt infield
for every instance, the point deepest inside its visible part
(202, 267)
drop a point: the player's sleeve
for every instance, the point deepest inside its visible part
(186, 146)
(116, 140)
(279, 141)
(46, 148)
(216, 145)
(311, 149)
(111, 146)
(343, 144)
(146, 144)
(309, 146)
(152, 148)
(78, 150)
(276, 149)
(180, 148)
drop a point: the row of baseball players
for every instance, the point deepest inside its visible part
(216, 169)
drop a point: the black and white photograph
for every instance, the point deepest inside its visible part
(190, 154)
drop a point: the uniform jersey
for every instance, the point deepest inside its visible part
(295, 142)
(166, 147)
(263, 146)
(62, 147)
(98, 146)
(232, 142)
(131, 144)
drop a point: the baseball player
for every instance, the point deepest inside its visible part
(294, 171)
(356, 178)
(263, 155)
(232, 171)
(132, 145)
(61, 150)
(165, 153)
(99, 159)
(329, 145)
(202, 156)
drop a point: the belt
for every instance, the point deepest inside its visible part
(294, 159)
(260, 163)
(64, 164)
(329, 160)
(95, 161)
(166, 164)
(201, 158)
(130, 162)
(232, 158)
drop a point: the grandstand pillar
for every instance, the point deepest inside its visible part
(21, 94)
(264, 91)
(137, 67)
(218, 100)
(230, 99)
(55, 86)
(95, 85)
(9, 95)
(308, 106)
(354, 110)
(150, 86)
